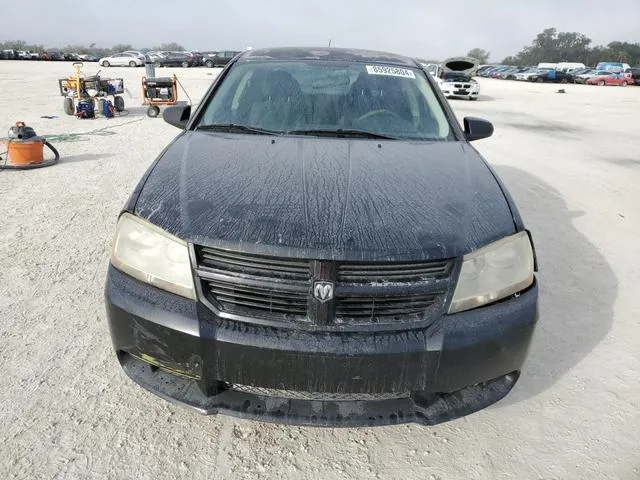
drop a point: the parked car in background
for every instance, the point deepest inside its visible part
(85, 57)
(634, 73)
(8, 54)
(177, 59)
(583, 77)
(206, 56)
(526, 74)
(498, 71)
(482, 68)
(154, 56)
(219, 59)
(198, 57)
(613, 67)
(44, 56)
(581, 71)
(459, 85)
(569, 67)
(548, 75)
(609, 78)
(56, 56)
(123, 59)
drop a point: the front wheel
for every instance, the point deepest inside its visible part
(624, 84)
(208, 64)
(185, 64)
(153, 111)
(106, 64)
(118, 103)
(68, 106)
(132, 63)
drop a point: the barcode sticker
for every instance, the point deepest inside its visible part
(390, 71)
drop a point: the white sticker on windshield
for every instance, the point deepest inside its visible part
(390, 71)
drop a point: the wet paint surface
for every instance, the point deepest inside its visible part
(326, 198)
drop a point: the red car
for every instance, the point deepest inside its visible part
(611, 79)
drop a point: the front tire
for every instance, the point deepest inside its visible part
(208, 64)
(106, 64)
(118, 103)
(69, 108)
(153, 111)
(185, 64)
(624, 84)
(132, 63)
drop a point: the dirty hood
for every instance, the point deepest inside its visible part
(341, 199)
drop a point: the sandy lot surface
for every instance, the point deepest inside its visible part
(67, 411)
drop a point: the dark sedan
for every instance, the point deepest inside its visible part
(218, 59)
(554, 76)
(177, 59)
(322, 245)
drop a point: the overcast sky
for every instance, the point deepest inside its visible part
(422, 28)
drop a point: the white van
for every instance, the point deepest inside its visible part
(548, 66)
(568, 67)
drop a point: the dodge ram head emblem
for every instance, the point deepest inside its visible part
(323, 291)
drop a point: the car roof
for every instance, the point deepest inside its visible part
(323, 53)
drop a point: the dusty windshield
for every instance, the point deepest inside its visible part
(327, 98)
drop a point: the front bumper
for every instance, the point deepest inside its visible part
(182, 351)
(458, 93)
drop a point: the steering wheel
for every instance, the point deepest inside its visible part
(380, 113)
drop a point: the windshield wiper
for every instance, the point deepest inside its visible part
(341, 133)
(236, 128)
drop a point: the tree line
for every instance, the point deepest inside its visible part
(91, 49)
(553, 46)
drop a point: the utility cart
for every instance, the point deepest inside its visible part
(159, 91)
(78, 88)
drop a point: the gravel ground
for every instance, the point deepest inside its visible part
(67, 411)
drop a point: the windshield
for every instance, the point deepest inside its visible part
(456, 77)
(321, 98)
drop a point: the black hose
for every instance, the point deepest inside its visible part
(46, 163)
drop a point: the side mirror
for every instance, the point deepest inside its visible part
(177, 115)
(477, 128)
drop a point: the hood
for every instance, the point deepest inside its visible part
(466, 65)
(340, 199)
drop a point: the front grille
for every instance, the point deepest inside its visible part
(280, 290)
(320, 396)
(379, 309)
(257, 301)
(392, 272)
(258, 265)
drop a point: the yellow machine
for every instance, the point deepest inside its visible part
(80, 92)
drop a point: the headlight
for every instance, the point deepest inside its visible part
(153, 256)
(494, 272)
